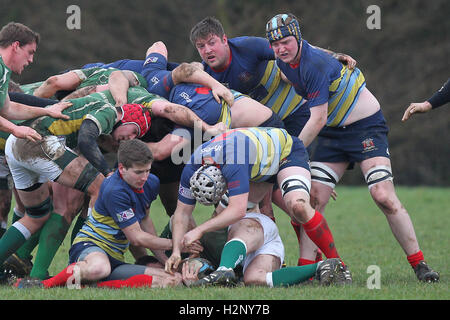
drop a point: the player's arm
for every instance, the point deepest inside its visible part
(87, 144)
(317, 120)
(17, 111)
(180, 222)
(140, 238)
(166, 146)
(148, 226)
(235, 211)
(178, 114)
(119, 82)
(190, 73)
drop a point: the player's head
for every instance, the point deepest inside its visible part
(134, 162)
(208, 185)
(21, 43)
(210, 40)
(282, 26)
(134, 123)
(205, 28)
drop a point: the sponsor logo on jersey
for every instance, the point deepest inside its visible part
(186, 97)
(151, 60)
(125, 215)
(185, 192)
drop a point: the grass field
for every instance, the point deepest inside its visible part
(363, 239)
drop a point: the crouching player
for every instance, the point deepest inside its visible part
(255, 243)
(120, 217)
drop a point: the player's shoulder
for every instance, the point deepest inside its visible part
(316, 60)
(153, 180)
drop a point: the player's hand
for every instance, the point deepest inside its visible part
(217, 129)
(172, 263)
(55, 110)
(194, 248)
(346, 59)
(189, 273)
(334, 194)
(120, 101)
(190, 237)
(416, 108)
(26, 133)
(220, 91)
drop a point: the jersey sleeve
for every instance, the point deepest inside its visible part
(317, 88)
(441, 97)
(184, 191)
(119, 207)
(159, 79)
(4, 83)
(238, 180)
(104, 118)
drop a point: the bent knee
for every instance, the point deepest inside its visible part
(255, 278)
(98, 271)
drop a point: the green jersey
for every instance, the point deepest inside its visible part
(5, 75)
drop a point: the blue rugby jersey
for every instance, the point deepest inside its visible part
(118, 206)
(243, 155)
(252, 71)
(320, 78)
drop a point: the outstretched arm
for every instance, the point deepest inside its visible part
(189, 72)
(178, 114)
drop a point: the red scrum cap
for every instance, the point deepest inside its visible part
(138, 115)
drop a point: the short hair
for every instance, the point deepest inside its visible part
(15, 31)
(206, 27)
(133, 152)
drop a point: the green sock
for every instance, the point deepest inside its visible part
(292, 275)
(233, 253)
(11, 241)
(52, 235)
(24, 251)
(76, 227)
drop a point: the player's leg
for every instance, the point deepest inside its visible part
(378, 174)
(38, 205)
(295, 185)
(244, 237)
(67, 203)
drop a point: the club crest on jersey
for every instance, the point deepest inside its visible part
(245, 76)
(125, 215)
(368, 145)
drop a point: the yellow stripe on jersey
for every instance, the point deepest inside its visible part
(344, 91)
(103, 236)
(225, 115)
(272, 145)
(65, 127)
(281, 96)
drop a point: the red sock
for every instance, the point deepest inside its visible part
(137, 281)
(61, 278)
(317, 230)
(415, 258)
(304, 262)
